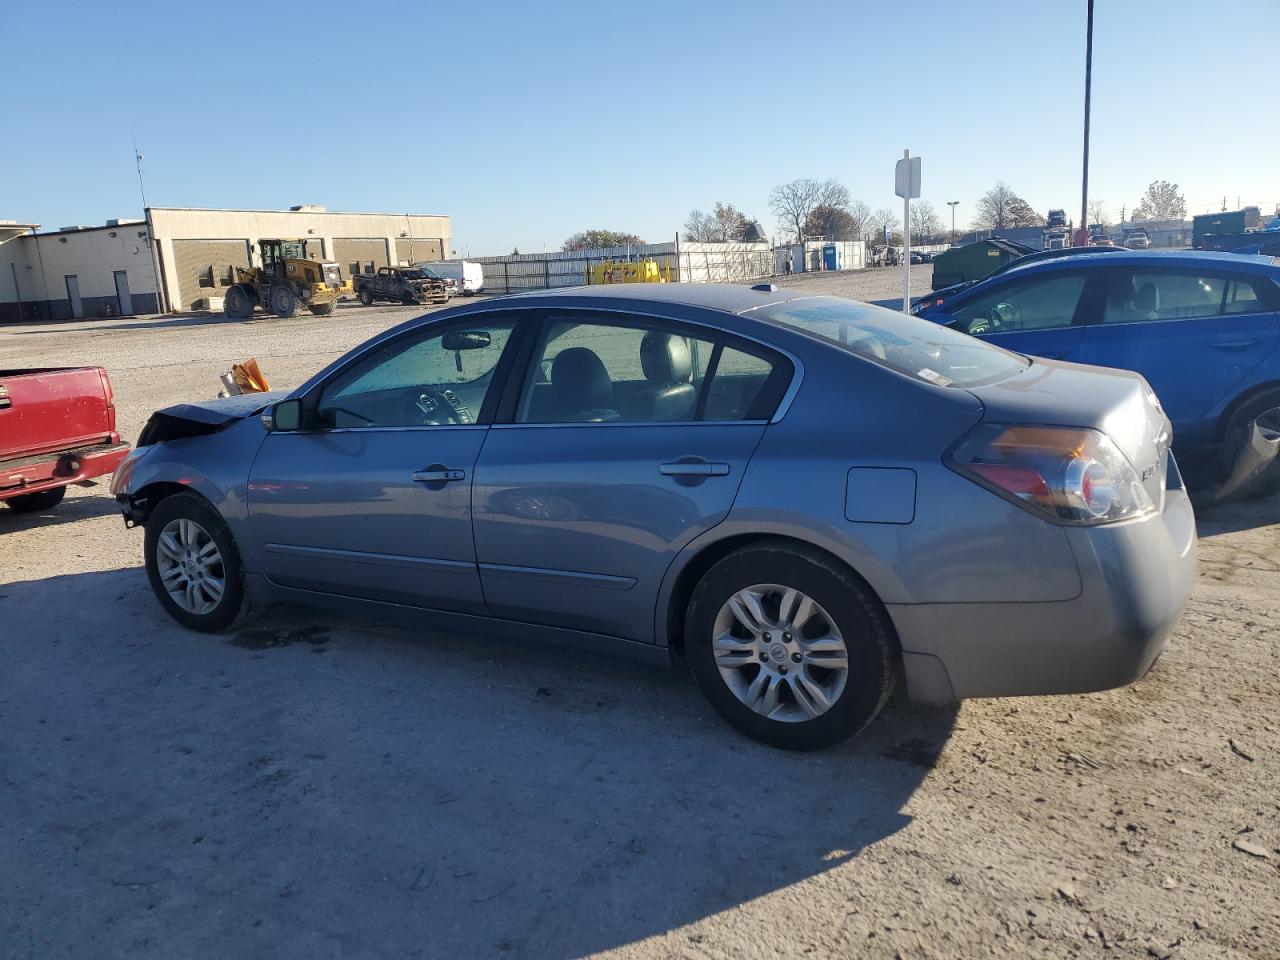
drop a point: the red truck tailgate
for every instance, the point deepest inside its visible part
(45, 410)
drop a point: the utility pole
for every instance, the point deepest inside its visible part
(952, 205)
(1088, 85)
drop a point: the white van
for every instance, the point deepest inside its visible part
(467, 276)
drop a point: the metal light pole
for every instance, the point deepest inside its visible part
(952, 205)
(1088, 85)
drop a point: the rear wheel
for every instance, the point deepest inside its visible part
(1263, 409)
(284, 303)
(193, 564)
(238, 303)
(324, 309)
(35, 502)
(789, 647)
(366, 297)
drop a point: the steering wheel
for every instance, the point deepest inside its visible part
(995, 319)
(430, 407)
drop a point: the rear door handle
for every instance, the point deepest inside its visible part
(437, 474)
(1058, 355)
(696, 468)
(1233, 344)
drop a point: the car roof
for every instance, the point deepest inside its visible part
(726, 297)
(1147, 258)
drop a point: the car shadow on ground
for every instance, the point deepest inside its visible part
(349, 788)
(1234, 517)
(70, 510)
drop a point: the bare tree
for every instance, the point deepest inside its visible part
(1098, 214)
(884, 217)
(1162, 201)
(1000, 208)
(792, 202)
(926, 225)
(590, 239)
(699, 227)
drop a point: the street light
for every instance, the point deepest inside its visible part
(952, 205)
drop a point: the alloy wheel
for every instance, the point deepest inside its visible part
(190, 566)
(780, 652)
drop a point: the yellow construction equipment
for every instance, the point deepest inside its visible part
(287, 277)
(628, 271)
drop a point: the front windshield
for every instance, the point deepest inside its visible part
(413, 274)
(911, 346)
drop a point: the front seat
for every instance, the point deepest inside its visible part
(668, 368)
(581, 389)
(1146, 302)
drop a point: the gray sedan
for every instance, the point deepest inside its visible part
(804, 498)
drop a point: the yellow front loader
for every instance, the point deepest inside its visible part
(287, 278)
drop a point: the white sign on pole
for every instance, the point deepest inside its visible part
(907, 178)
(906, 185)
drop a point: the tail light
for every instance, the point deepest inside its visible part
(1065, 474)
(109, 395)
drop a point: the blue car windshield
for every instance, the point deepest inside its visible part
(918, 348)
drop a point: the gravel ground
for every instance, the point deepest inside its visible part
(338, 788)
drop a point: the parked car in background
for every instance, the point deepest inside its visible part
(407, 285)
(57, 427)
(467, 275)
(1101, 240)
(1137, 240)
(1203, 328)
(804, 497)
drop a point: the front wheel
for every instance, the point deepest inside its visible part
(366, 297)
(35, 502)
(789, 647)
(193, 564)
(284, 302)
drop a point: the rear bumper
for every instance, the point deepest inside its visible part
(1136, 577)
(49, 471)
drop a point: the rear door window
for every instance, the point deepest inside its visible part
(1154, 296)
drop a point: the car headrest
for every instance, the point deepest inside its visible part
(664, 357)
(580, 379)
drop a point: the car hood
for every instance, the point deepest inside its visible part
(205, 416)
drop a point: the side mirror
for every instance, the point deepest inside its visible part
(286, 415)
(466, 340)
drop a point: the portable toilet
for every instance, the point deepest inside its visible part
(829, 261)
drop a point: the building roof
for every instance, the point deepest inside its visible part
(10, 229)
(300, 213)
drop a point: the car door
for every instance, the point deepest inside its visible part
(627, 437)
(1036, 315)
(1196, 334)
(371, 497)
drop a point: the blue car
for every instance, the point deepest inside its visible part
(1203, 328)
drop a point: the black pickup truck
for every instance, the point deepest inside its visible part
(407, 285)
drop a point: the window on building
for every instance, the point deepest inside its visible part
(205, 275)
(353, 267)
(228, 276)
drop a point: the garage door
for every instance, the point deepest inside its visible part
(205, 268)
(416, 251)
(359, 256)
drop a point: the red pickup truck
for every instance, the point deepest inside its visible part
(57, 427)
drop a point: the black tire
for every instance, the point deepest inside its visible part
(233, 607)
(35, 502)
(366, 297)
(1266, 405)
(867, 631)
(408, 299)
(284, 302)
(324, 309)
(239, 303)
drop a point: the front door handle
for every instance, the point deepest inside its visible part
(1233, 344)
(694, 468)
(437, 473)
(1056, 355)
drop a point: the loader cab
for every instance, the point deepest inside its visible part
(277, 253)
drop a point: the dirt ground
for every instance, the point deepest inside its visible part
(339, 788)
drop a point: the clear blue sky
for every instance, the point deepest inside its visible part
(527, 121)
